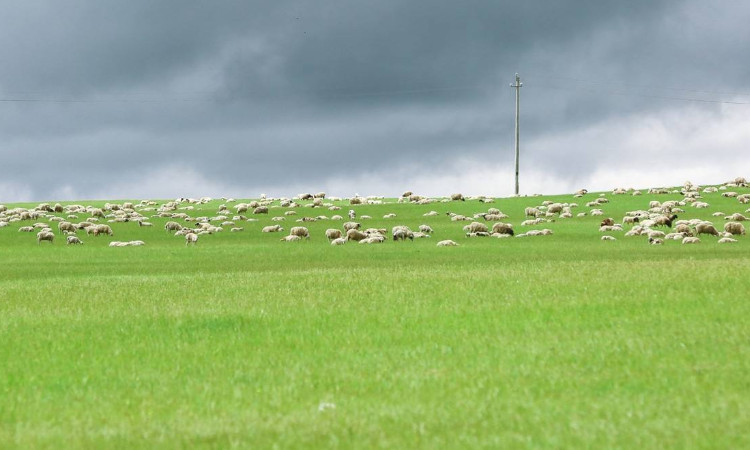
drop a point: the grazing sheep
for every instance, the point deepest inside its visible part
(45, 236)
(555, 208)
(302, 232)
(447, 243)
(705, 228)
(691, 240)
(735, 228)
(630, 220)
(272, 229)
(458, 197)
(191, 238)
(402, 232)
(476, 227)
(655, 241)
(374, 239)
(726, 240)
(338, 241)
(73, 240)
(737, 217)
(355, 235)
(502, 228)
(260, 210)
(172, 226)
(665, 220)
(333, 233)
(351, 226)
(608, 238)
(425, 229)
(291, 238)
(26, 229)
(66, 226)
(607, 222)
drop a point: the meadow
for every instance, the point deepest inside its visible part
(244, 341)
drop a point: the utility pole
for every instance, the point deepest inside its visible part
(517, 86)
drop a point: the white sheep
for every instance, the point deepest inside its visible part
(45, 236)
(191, 238)
(608, 238)
(272, 229)
(735, 228)
(475, 227)
(302, 232)
(727, 240)
(73, 240)
(447, 243)
(425, 229)
(338, 241)
(333, 233)
(291, 238)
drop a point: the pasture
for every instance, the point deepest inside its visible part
(558, 341)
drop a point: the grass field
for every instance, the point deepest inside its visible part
(561, 341)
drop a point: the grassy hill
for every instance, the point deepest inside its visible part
(242, 340)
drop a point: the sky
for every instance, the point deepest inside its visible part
(109, 99)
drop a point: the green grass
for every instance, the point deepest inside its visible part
(559, 341)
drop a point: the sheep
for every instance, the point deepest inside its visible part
(172, 226)
(425, 229)
(191, 238)
(26, 229)
(478, 234)
(73, 240)
(355, 235)
(502, 228)
(337, 217)
(66, 226)
(630, 220)
(555, 208)
(351, 226)
(608, 238)
(691, 240)
(420, 234)
(260, 210)
(706, 228)
(338, 241)
(142, 223)
(45, 236)
(291, 238)
(374, 239)
(402, 232)
(447, 243)
(665, 220)
(236, 229)
(494, 217)
(607, 222)
(735, 228)
(302, 232)
(654, 234)
(684, 228)
(655, 241)
(475, 227)
(332, 234)
(458, 197)
(736, 217)
(389, 216)
(430, 214)
(272, 229)
(727, 240)
(278, 219)
(103, 229)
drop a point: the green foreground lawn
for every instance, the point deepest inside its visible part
(246, 341)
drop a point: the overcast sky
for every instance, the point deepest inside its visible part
(159, 99)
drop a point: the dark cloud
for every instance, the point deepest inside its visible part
(254, 93)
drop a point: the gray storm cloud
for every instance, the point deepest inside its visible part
(152, 99)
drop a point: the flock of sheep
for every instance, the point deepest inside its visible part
(659, 222)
